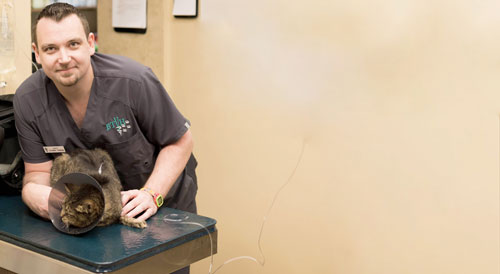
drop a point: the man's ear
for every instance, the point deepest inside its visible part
(91, 41)
(35, 49)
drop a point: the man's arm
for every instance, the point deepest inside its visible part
(171, 161)
(36, 187)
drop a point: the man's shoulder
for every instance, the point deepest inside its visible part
(116, 66)
(32, 91)
(30, 98)
(32, 84)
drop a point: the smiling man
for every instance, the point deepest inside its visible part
(83, 99)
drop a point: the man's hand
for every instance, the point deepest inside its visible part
(135, 202)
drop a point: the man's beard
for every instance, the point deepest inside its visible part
(70, 80)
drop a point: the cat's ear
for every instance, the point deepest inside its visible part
(70, 188)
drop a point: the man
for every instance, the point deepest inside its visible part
(82, 99)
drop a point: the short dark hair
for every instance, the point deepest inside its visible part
(57, 12)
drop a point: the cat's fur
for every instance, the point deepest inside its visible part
(83, 203)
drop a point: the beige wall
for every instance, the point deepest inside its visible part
(397, 104)
(21, 60)
(147, 48)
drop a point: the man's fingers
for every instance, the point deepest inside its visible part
(136, 202)
(148, 213)
(128, 195)
(136, 210)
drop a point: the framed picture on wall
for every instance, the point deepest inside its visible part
(129, 16)
(185, 8)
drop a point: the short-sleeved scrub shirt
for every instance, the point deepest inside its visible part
(129, 114)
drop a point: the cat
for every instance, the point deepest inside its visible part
(84, 203)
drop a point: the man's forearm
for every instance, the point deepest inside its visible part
(36, 192)
(170, 162)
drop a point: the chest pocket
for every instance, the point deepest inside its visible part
(133, 159)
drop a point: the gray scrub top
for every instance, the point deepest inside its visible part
(129, 114)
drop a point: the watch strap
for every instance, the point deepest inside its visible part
(158, 199)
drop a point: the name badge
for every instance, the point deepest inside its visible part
(54, 149)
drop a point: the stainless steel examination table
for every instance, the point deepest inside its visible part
(171, 241)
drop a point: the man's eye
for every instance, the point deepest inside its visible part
(49, 49)
(74, 44)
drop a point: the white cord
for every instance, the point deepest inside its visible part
(261, 227)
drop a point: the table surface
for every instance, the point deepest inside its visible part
(102, 249)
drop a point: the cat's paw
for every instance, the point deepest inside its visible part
(129, 221)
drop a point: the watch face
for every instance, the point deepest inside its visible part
(159, 201)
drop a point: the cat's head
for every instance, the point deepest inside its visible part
(82, 206)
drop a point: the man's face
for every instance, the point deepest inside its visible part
(63, 50)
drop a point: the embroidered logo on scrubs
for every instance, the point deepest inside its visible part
(120, 124)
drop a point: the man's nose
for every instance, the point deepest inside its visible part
(64, 56)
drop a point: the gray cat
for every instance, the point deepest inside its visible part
(83, 203)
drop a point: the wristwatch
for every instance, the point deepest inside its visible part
(156, 196)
